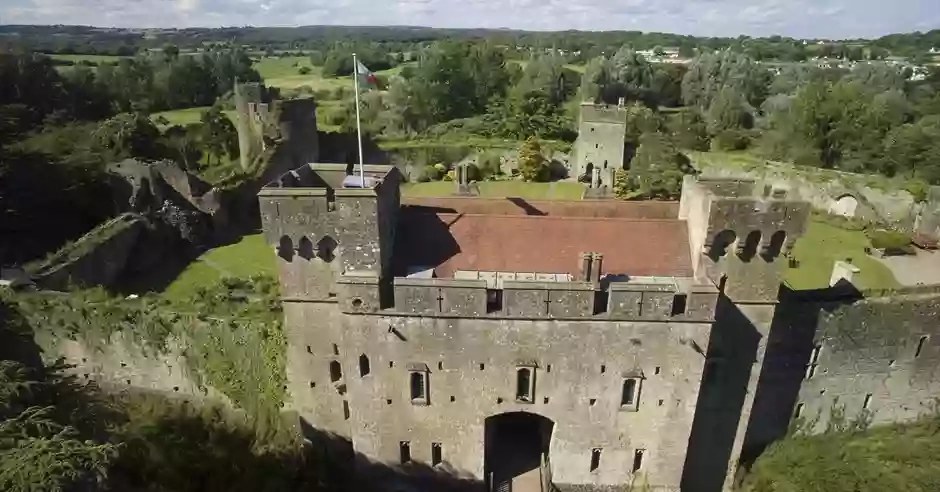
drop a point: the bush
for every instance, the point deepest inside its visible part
(893, 242)
(489, 164)
(429, 173)
(304, 70)
(919, 189)
(731, 140)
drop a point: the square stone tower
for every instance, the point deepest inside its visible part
(600, 142)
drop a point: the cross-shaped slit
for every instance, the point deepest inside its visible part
(440, 301)
(548, 303)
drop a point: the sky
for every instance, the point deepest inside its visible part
(836, 19)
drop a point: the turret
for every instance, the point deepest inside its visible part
(738, 233)
(330, 233)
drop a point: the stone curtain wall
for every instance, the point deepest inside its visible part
(879, 357)
(857, 360)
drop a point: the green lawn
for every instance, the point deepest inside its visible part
(187, 116)
(248, 257)
(282, 73)
(92, 58)
(499, 189)
(822, 245)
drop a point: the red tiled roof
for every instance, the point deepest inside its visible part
(540, 244)
(518, 206)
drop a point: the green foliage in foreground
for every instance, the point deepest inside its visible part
(58, 435)
(231, 333)
(890, 458)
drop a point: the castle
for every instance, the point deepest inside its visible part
(501, 336)
(591, 345)
(586, 344)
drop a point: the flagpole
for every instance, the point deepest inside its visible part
(362, 179)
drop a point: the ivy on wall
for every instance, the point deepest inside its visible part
(231, 334)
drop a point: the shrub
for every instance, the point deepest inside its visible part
(893, 242)
(731, 140)
(304, 70)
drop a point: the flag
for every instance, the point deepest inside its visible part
(366, 77)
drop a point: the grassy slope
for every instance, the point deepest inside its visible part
(249, 256)
(822, 245)
(890, 458)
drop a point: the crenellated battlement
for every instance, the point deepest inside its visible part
(646, 299)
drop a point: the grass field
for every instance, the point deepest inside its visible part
(498, 189)
(283, 73)
(92, 58)
(186, 116)
(822, 246)
(249, 256)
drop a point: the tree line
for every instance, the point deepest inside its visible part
(585, 45)
(60, 131)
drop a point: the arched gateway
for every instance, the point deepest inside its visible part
(516, 444)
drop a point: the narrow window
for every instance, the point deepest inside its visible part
(335, 349)
(679, 302)
(867, 404)
(595, 459)
(345, 410)
(404, 452)
(440, 366)
(799, 411)
(363, 365)
(548, 368)
(336, 371)
(482, 366)
(628, 395)
(524, 384)
(436, 455)
(638, 460)
(603, 368)
(813, 362)
(814, 357)
(419, 387)
(920, 346)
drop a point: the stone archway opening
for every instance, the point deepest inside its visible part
(515, 444)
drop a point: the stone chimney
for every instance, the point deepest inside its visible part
(584, 270)
(596, 268)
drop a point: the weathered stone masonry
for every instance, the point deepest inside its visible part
(408, 333)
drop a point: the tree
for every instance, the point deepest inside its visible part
(532, 164)
(218, 134)
(657, 169)
(171, 51)
(710, 73)
(659, 51)
(184, 144)
(728, 111)
(130, 135)
(40, 446)
(689, 131)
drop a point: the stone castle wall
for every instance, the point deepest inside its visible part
(870, 358)
(579, 372)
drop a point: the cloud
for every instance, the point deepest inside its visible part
(798, 18)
